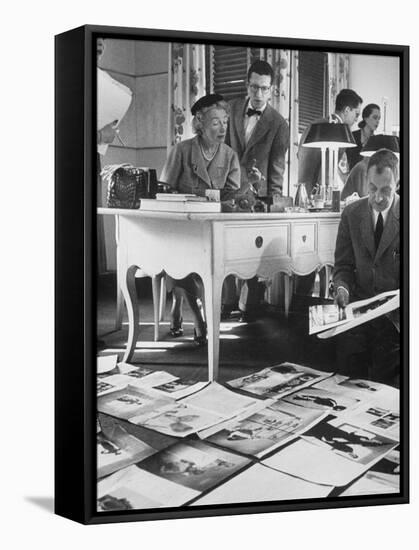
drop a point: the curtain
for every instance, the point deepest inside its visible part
(338, 69)
(186, 85)
(285, 101)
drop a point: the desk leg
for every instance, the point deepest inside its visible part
(131, 301)
(119, 297)
(288, 291)
(325, 275)
(156, 283)
(213, 287)
(119, 307)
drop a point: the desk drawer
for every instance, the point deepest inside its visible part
(243, 242)
(303, 238)
(327, 237)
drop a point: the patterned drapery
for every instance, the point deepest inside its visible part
(186, 85)
(285, 101)
(338, 68)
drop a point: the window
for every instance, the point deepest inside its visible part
(227, 70)
(311, 87)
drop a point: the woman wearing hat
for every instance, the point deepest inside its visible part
(194, 166)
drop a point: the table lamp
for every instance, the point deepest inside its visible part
(380, 141)
(332, 136)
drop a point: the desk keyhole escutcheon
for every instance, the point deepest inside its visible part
(259, 241)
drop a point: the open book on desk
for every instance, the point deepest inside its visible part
(329, 320)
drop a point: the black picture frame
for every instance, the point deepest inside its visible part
(75, 268)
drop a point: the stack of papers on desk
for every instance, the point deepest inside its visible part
(180, 197)
(180, 205)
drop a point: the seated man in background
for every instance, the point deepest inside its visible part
(347, 110)
(367, 262)
(357, 180)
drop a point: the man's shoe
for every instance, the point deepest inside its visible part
(226, 312)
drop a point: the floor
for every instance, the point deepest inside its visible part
(244, 348)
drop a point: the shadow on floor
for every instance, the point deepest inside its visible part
(244, 348)
(46, 503)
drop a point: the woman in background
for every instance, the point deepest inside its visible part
(371, 116)
(194, 166)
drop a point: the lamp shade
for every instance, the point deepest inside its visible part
(380, 141)
(329, 135)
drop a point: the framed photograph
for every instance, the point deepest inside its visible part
(217, 197)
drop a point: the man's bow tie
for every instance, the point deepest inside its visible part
(251, 112)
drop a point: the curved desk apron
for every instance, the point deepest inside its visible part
(214, 246)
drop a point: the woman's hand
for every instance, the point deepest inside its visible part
(254, 176)
(106, 134)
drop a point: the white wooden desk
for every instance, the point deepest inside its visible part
(214, 246)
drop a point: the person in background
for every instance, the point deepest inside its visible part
(367, 263)
(105, 136)
(371, 116)
(357, 180)
(260, 137)
(193, 166)
(347, 110)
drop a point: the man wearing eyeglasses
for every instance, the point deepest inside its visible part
(259, 134)
(260, 137)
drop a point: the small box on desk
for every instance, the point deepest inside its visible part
(280, 203)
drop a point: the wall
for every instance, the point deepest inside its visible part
(375, 78)
(143, 67)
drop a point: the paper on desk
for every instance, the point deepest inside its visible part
(259, 483)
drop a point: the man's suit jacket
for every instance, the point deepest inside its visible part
(267, 145)
(185, 170)
(357, 181)
(362, 270)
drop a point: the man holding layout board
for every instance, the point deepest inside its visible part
(367, 263)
